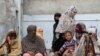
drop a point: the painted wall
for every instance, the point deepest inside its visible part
(52, 6)
(8, 17)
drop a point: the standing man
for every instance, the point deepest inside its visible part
(56, 19)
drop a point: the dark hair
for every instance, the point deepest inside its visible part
(67, 32)
(57, 15)
(78, 28)
(12, 34)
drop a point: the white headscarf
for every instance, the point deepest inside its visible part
(67, 21)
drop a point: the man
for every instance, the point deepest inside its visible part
(32, 45)
(56, 19)
(55, 34)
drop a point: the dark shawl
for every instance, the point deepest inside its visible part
(58, 43)
(32, 42)
(55, 26)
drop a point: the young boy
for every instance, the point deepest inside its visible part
(69, 46)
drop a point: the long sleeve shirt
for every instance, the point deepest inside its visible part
(68, 45)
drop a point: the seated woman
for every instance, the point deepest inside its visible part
(85, 46)
(11, 44)
(69, 46)
(33, 45)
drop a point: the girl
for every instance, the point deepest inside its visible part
(69, 46)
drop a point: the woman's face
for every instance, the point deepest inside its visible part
(78, 35)
(68, 36)
(10, 40)
(72, 12)
(57, 17)
(34, 32)
(12, 35)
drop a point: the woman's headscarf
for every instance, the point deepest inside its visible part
(72, 11)
(80, 28)
(31, 42)
(67, 21)
(10, 40)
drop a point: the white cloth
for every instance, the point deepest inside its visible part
(67, 21)
(80, 51)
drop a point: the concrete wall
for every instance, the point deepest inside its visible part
(52, 6)
(2, 9)
(8, 18)
(2, 18)
(8, 12)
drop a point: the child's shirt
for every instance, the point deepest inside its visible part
(68, 46)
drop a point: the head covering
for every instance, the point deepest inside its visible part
(31, 42)
(57, 15)
(12, 33)
(11, 41)
(31, 32)
(72, 11)
(80, 28)
(67, 21)
(31, 28)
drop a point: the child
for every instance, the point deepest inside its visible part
(69, 46)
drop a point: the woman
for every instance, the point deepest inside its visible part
(33, 45)
(85, 44)
(12, 44)
(66, 23)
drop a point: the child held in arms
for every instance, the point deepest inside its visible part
(69, 46)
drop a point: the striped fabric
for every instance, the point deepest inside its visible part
(68, 45)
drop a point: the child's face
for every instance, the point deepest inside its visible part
(68, 36)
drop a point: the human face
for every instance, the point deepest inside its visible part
(34, 32)
(57, 17)
(73, 12)
(78, 35)
(68, 36)
(12, 35)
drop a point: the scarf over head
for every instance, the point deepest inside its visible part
(31, 42)
(67, 21)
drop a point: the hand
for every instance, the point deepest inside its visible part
(67, 53)
(9, 40)
(56, 53)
